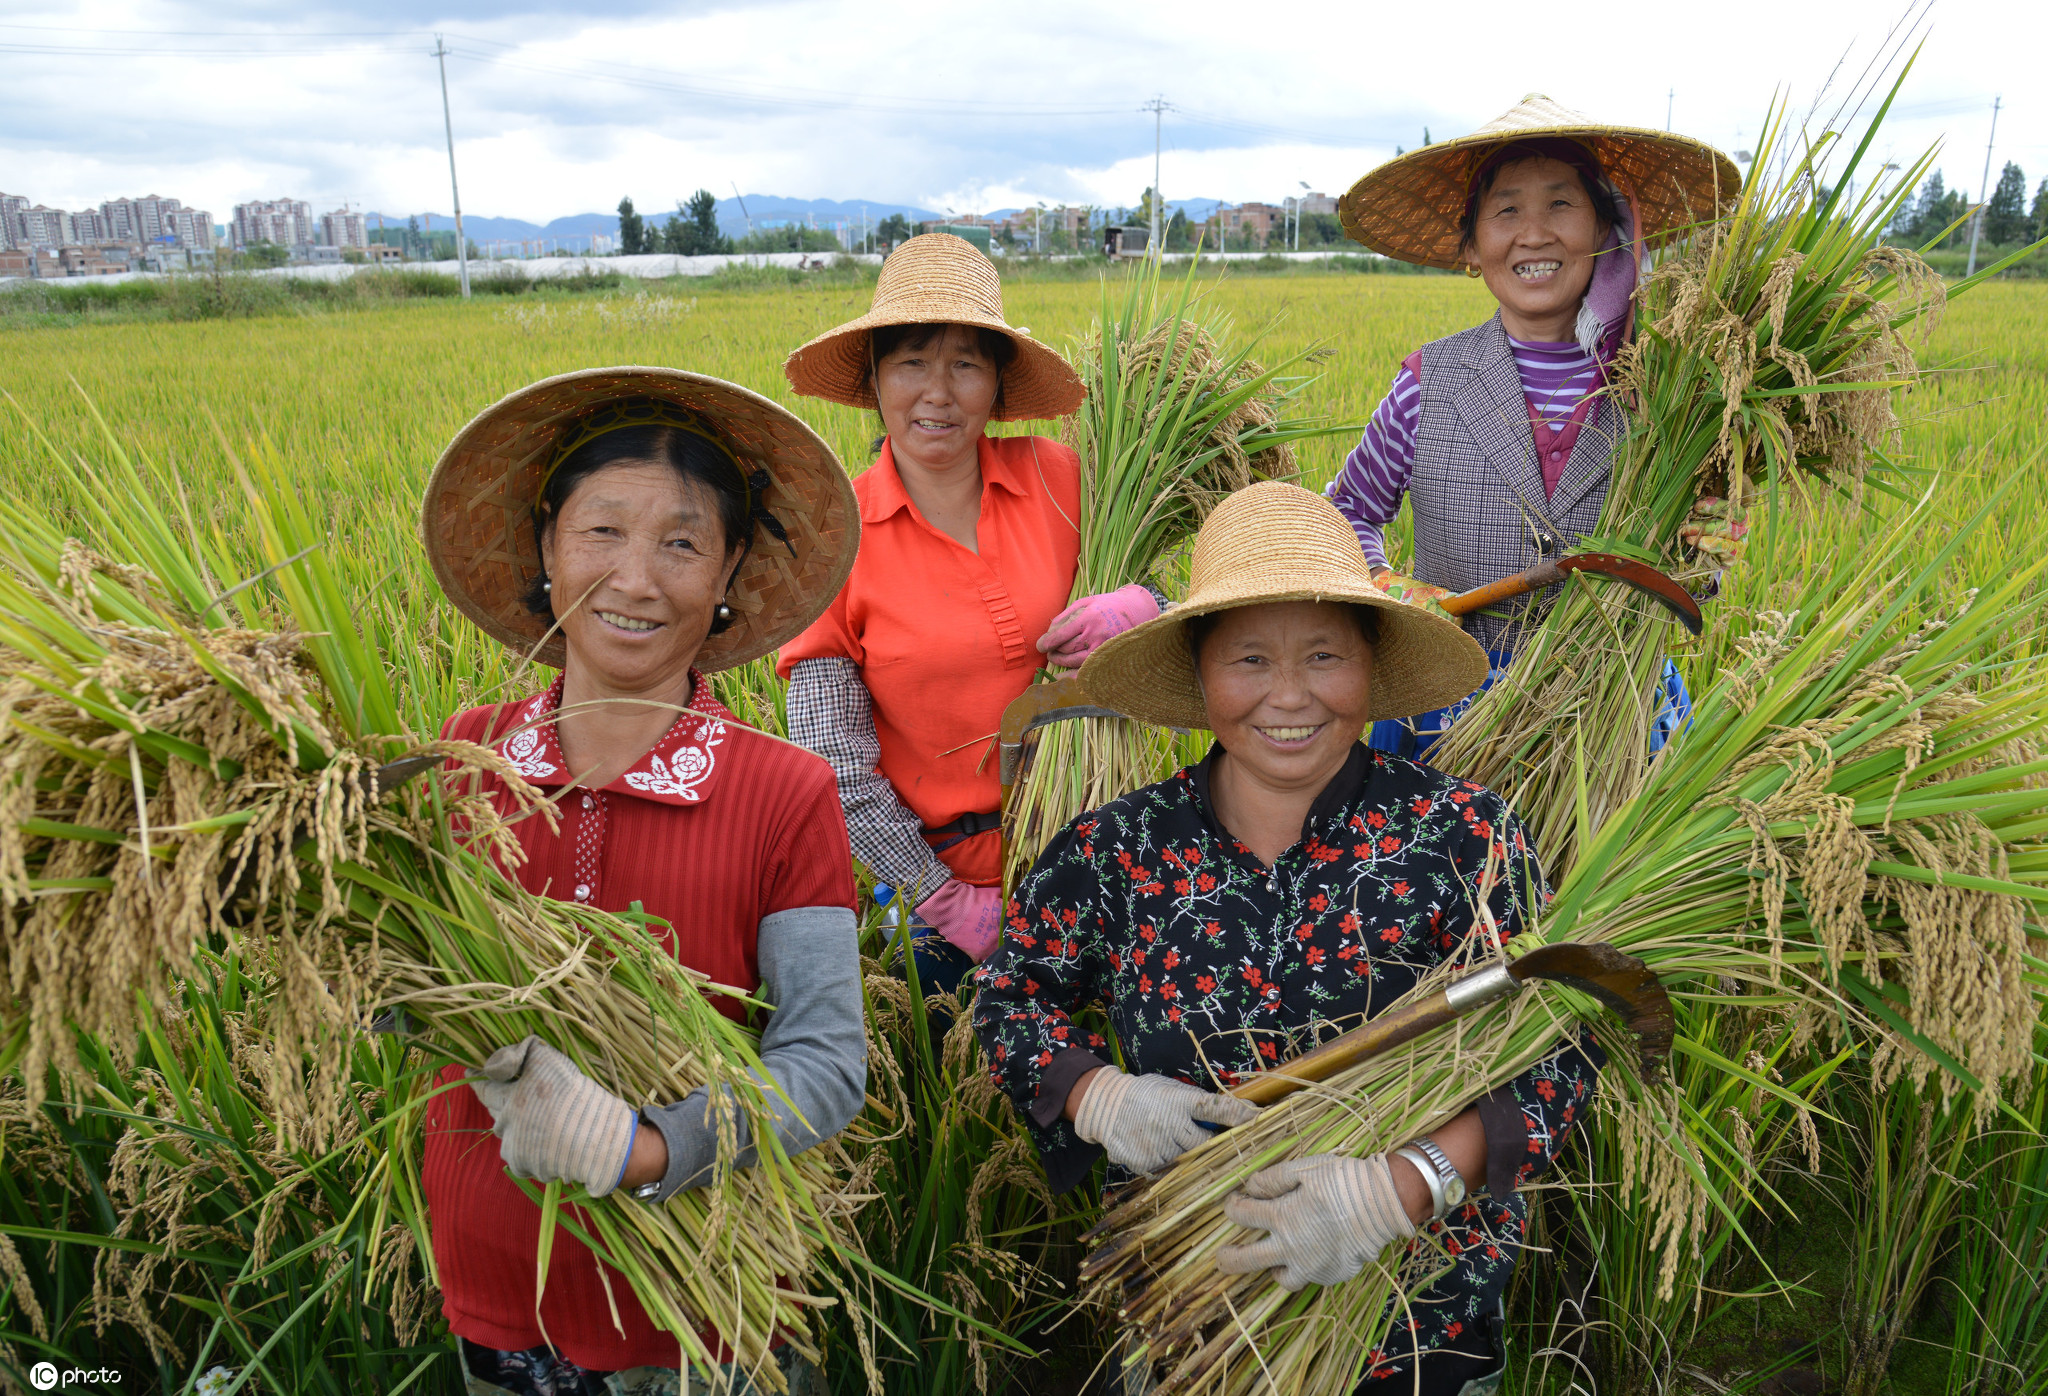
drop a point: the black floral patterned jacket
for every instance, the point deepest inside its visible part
(1206, 962)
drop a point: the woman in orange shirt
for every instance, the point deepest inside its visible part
(959, 593)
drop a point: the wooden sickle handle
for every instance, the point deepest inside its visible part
(1382, 1034)
(1543, 574)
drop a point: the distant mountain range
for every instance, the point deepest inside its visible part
(734, 218)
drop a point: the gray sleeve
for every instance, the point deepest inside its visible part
(814, 1047)
(832, 714)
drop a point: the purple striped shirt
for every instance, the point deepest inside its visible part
(1556, 379)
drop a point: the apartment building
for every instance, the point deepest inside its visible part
(12, 206)
(286, 222)
(43, 226)
(343, 228)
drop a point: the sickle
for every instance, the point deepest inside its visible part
(1621, 982)
(1643, 578)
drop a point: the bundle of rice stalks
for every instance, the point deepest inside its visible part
(157, 1224)
(1173, 422)
(1849, 839)
(1769, 347)
(183, 766)
(962, 1211)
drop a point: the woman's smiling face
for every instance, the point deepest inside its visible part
(649, 548)
(1288, 687)
(935, 397)
(1533, 240)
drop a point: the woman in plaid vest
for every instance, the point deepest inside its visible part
(1500, 436)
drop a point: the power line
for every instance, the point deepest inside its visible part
(461, 244)
(219, 33)
(1984, 189)
(801, 98)
(159, 51)
(1158, 106)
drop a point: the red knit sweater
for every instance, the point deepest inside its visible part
(717, 827)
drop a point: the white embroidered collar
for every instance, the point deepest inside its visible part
(679, 769)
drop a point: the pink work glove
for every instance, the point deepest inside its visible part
(1081, 629)
(1410, 592)
(1716, 528)
(968, 916)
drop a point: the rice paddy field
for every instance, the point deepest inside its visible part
(1903, 1252)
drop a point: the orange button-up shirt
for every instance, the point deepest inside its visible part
(945, 638)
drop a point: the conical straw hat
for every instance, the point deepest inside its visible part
(1279, 542)
(477, 517)
(1410, 207)
(937, 279)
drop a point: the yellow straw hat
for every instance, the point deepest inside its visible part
(1410, 207)
(477, 517)
(1279, 542)
(936, 279)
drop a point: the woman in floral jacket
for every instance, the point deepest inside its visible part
(1290, 885)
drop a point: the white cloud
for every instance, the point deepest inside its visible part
(974, 107)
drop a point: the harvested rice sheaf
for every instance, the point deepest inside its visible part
(1771, 345)
(1174, 421)
(1849, 840)
(172, 787)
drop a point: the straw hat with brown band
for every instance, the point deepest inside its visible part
(1410, 207)
(936, 279)
(1278, 542)
(477, 517)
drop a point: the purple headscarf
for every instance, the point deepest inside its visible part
(1603, 314)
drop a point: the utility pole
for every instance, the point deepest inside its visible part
(454, 191)
(1669, 97)
(1156, 106)
(1983, 189)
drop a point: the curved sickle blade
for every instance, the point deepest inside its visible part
(1621, 982)
(1645, 579)
(1039, 706)
(392, 775)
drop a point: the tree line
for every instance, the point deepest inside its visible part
(692, 231)
(2009, 221)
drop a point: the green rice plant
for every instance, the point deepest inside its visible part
(1849, 833)
(1770, 344)
(1632, 1325)
(1995, 1279)
(1905, 1172)
(1173, 422)
(358, 399)
(166, 773)
(963, 1211)
(156, 1223)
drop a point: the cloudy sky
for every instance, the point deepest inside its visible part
(968, 106)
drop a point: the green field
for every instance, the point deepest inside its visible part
(357, 401)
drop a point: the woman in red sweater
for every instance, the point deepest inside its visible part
(635, 529)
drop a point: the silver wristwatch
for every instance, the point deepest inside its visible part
(1446, 1186)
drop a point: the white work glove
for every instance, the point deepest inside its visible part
(1146, 1122)
(551, 1120)
(1324, 1218)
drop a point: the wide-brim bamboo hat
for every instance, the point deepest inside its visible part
(937, 279)
(477, 517)
(1279, 542)
(1410, 207)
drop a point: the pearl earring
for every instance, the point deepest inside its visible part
(547, 586)
(723, 614)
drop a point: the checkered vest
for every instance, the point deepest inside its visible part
(1477, 489)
